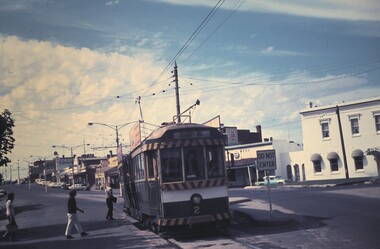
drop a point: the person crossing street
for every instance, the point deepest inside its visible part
(72, 217)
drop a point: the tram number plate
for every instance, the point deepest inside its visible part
(197, 209)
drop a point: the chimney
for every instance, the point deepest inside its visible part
(258, 130)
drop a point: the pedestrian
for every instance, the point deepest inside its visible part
(109, 200)
(10, 212)
(72, 217)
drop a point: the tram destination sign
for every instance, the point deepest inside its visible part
(266, 159)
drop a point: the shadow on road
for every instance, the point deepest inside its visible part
(243, 222)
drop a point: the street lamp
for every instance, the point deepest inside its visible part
(116, 128)
(29, 169)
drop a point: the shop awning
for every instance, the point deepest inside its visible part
(332, 155)
(315, 157)
(357, 153)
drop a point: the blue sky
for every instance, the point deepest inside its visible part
(67, 63)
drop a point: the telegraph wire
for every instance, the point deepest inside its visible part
(236, 7)
(188, 42)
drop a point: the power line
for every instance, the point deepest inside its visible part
(235, 8)
(189, 40)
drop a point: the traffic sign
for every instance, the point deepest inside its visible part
(266, 159)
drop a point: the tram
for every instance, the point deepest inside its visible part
(176, 177)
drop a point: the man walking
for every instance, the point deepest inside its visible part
(10, 211)
(109, 201)
(72, 216)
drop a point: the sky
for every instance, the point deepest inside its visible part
(254, 62)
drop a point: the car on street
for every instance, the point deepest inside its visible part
(273, 180)
(80, 186)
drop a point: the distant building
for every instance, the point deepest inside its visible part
(242, 160)
(237, 136)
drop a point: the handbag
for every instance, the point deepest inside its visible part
(11, 228)
(114, 199)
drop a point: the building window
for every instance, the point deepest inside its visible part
(355, 126)
(334, 165)
(358, 155)
(377, 122)
(325, 130)
(316, 159)
(359, 163)
(317, 166)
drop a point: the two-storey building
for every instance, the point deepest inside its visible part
(341, 141)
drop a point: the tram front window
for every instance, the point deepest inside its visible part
(171, 165)
(194, 163)
(215, 167)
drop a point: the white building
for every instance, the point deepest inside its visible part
(340, 141)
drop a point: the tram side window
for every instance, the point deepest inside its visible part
(152, 162)
(138, 163)
(194, 163)
(215, 167)
(171, 165)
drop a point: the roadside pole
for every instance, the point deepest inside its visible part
(270, 201)
(266, 161)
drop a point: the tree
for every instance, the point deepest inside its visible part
(6, 136)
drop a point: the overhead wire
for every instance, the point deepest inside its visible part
(189, 40)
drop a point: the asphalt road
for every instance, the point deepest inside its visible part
(42, 219)
(334, 217)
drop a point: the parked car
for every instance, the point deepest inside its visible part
(273, 180)
(80, 186)
(65, 186)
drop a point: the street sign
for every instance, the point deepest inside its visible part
(266, 159)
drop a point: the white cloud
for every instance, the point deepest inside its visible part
(367, 10)
(270, 51)
(112, 2)
(54, 91)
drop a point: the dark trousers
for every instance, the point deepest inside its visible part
(11, 236)
(110, 208)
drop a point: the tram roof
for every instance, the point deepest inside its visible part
(163, 129)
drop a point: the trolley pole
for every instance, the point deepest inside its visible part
(177, 93)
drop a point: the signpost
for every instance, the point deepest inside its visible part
(266, 160)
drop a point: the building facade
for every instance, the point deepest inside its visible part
(341, 141)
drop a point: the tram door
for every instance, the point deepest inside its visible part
(153, 184)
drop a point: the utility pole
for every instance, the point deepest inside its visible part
(177, 92)
(342, 142)
(18, 172)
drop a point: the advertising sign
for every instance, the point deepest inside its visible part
(135, 136)
(266, 159)
(214, 122)
(62, 163)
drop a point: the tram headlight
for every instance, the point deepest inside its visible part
(196, 199)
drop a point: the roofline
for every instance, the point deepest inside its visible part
(344, 104)
(242, 146)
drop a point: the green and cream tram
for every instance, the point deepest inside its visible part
(176, 177)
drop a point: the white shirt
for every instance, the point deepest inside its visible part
(108, 192)
(9, 208)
